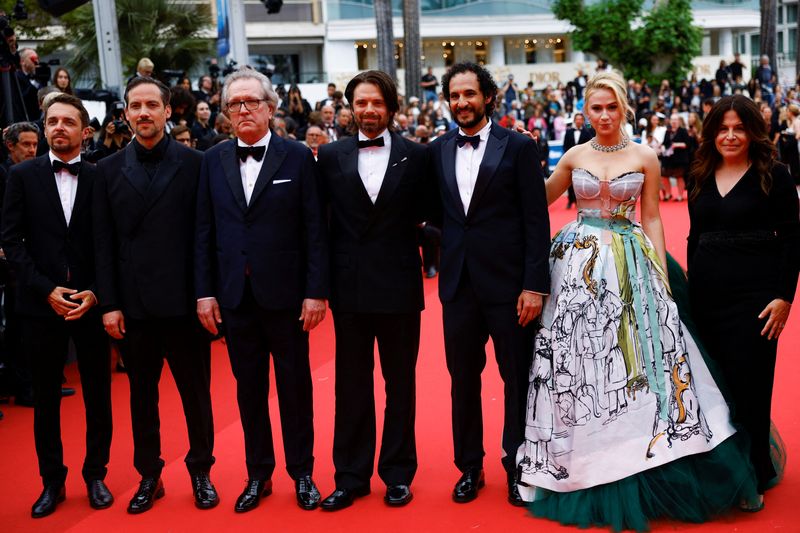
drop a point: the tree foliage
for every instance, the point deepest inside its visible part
(169, 33)
(657, 44)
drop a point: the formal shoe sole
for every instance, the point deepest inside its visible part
(462, 499)
(264, 494)
(51, 511)
(157, 496)
(308, 507)
(98, 507)
(399, 503)
(516, 503)
(360, 493)
(205, 506)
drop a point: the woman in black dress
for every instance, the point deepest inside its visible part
(743, 262)
(676, 156)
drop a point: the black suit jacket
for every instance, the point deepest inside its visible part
(504, 238)
(569, 137)
(43, 251)
(144, 232)
(375, 263)
(278, 240)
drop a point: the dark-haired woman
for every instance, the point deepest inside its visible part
(62, 80)
(743, 262)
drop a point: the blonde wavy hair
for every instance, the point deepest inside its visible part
(614, 82)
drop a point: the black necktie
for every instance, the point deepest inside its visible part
(256, 152)
(378, 141)
(72, 168)
(475, 140)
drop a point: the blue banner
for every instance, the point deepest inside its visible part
(223, 25)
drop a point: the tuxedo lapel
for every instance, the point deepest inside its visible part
(273, 159)
(230, 165)
(163, 177)
(348, 163)
(134, 171)
(83, 193)
(495, 147)
(47, 181)
(449, 171)
(398, 160)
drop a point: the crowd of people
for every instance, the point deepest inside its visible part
(237, 207)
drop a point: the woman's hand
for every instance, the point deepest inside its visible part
(776, 312)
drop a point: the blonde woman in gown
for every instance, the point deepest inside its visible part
(624, 421)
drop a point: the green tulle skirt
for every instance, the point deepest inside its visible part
(692, 489)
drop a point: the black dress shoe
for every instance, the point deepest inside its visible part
(99, 495)
(67, 391)
(398, 495)
(50, 497)
(342, 498)
(514, 497)
(467, 487)
(150, 489)
(431, 272)
(307, 493)
(205, 495)
(253, 492)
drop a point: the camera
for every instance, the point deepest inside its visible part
(120, 126)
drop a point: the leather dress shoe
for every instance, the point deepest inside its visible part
(252, 494)
(205, 495)
(50, 497)
(514, 497)
(307, 493)
(99, 495)
(341, 498)
(150, 489)
(67, 391)
(468, 484)
(431, 272)
(398, 495)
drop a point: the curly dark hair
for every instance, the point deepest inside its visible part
(762, 152)
(485, 82)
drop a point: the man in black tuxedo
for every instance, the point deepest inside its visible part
(494, 266)
(47, 237)
(144, 231)
(261, 261)
(377, 186)
(577, 134)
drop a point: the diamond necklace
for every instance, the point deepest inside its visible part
(613, 148)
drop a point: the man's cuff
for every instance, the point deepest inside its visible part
(534, 292)
(206, 298)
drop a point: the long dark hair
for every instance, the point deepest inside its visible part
(384, 83)
(761, 153)
(485, 82)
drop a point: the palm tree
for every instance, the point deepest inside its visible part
(412, 49)
(167, 32)
(383, 25)
(769, 35)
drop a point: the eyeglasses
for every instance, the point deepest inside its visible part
(250, 105)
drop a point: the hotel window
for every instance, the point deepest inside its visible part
(791, 13)
(399, 58)
(362, 51)
(448, 53)
(780, 42)
(530, 50)
(481, 57)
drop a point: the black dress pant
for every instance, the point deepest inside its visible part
(187, 350)
(468, 324)
(430, 238)
(45, 342)
(354, 432)
(252, 334)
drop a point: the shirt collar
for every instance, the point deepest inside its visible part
(159, 150)
(264, 141)
(483, 133)
(385, 135)
(54, 157)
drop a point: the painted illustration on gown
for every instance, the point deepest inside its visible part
(616, 384)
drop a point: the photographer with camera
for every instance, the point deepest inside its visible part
(114, 134)
(298, 109)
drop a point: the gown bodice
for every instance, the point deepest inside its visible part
(607, 198)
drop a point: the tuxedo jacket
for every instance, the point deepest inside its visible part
(503, 240)
(569, 137)
(42, 249)
(375, 262)
(144, 232)
(278, 240)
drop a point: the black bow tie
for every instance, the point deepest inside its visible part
(378, 141)
(72, 168)
(256, 152)
(475, 140)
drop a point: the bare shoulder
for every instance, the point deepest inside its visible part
(646, 153)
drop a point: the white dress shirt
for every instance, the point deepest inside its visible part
(250, 168)
(373, 162)
(67, 186)
(468, 162)
(576, 135)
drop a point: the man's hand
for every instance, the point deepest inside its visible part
(208, 313)
(59, 302)
(529, 305)
(312, 314)
(114, 323)
(87, 299)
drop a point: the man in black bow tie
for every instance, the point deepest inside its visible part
(144, 231)
(379, 188)
(47, 237)
(261, 270)
(494, 266)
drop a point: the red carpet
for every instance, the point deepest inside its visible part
(431, 510)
